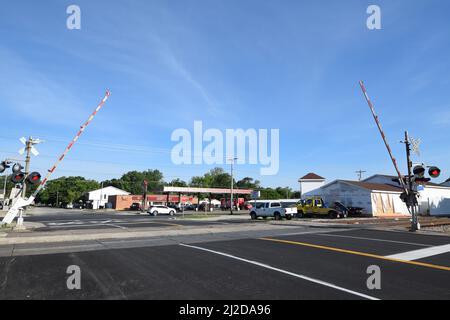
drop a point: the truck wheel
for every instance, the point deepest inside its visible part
(277, 216)
(288, 217)
(253, 216)
(332, 215)
(300, 214)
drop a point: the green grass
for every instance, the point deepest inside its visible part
(7, 227)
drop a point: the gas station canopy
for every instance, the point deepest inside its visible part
(190, 190)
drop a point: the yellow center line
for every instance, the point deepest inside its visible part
(370, 255)
(165, 223)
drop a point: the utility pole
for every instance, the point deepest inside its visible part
(101, 195)
(28, 146)
(231, 198)
(144, 195)
(360, 174)
(411, 203)
(28, 150)
(57, 198)
(4, 191)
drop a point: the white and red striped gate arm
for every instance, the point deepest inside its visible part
(377, 120)
(80, 132)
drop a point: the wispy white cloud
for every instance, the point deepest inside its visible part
(177, 66)
(28, 93)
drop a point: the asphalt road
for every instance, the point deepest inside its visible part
(320, 264)
(60, 219)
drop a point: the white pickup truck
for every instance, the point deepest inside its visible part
(274, 209)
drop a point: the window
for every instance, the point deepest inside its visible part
(275, 205)
(308, 202)
(288, 204)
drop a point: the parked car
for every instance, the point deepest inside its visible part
(155, 210)
(190, 207)
(248, 206)
(273, 209)
(135, 206)
(79, 206)
(176, 207)
(349, 211)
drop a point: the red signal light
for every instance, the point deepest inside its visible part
(18, 177)
(434, 172)
(34, 177)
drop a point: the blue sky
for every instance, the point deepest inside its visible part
(288, 65)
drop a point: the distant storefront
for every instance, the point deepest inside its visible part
(123, 202)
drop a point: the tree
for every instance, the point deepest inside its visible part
(177, 183)
(248, 183)
(269, 194)
(215, 178)
(133, 181)
(66, 189)
(279, 193)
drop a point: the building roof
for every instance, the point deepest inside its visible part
(312, 176)
(111, 188)
(373, 186)
(387, 176)
(396, 181)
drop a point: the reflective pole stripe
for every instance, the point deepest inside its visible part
(50, 172)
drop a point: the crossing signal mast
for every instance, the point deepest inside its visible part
(416, 175)
(35, 177)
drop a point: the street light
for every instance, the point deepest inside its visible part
(231, 198)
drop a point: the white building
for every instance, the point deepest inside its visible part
(99, 198)
(376, 199)
(379, 195)
(310, 182)
(434, 199)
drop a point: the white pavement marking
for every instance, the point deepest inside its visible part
(374, 239)
(421, 253)
(326, 284)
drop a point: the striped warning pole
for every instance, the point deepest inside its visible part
(394, 161)
(82, 128)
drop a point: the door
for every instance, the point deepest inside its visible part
(275, 207)
(309, 206)
(164, 209)
(265, 209)
(318, 206)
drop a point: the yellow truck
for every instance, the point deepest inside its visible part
(315, 206)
